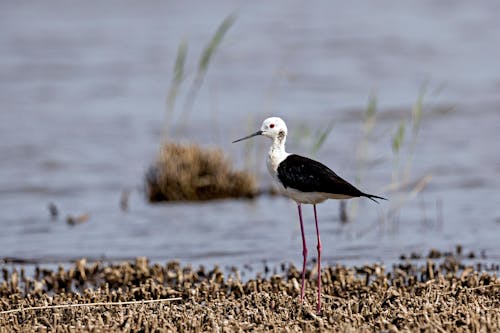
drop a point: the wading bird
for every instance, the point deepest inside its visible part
(304, 180)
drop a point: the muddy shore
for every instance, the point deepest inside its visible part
(436, 295)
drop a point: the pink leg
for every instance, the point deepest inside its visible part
(304, 254)
(319, 261)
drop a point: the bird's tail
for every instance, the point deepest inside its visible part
(373, 197)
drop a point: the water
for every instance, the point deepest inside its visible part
(82, 108)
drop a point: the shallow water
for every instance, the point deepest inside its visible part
(82, 109)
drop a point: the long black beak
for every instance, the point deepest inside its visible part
(248, 137)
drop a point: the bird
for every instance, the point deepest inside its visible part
(305, 181)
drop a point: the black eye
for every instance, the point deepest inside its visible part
(271, 126)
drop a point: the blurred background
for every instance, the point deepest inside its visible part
(401, 98)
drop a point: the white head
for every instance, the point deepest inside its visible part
(273, 127)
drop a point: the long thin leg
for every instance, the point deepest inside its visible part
(319, 260)
(304, 254)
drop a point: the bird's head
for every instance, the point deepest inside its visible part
(272, 127)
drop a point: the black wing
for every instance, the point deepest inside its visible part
(307, 175)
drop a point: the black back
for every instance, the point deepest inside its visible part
(307, 175)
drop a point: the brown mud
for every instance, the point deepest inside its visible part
(435, 296)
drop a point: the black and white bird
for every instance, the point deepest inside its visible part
(304, 180)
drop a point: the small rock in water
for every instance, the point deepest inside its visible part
(74, 220)
(54, 212)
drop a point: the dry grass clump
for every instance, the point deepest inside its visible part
(187, 172)
(448, 297)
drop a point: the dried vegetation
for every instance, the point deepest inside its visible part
(188, 172)
(434, 297)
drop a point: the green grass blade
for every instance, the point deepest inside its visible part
(322, 138)
(214, 43)
(178, 77)
(417, 109)
(204, 63)
(372, 106)
(398, 138)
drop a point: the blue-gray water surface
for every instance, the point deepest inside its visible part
(83, 90)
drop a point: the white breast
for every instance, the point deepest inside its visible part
(274, 158)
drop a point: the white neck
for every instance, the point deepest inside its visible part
(277, 153)
(278, 145)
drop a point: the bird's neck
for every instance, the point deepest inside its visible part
(278, 146)
(277, 151)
